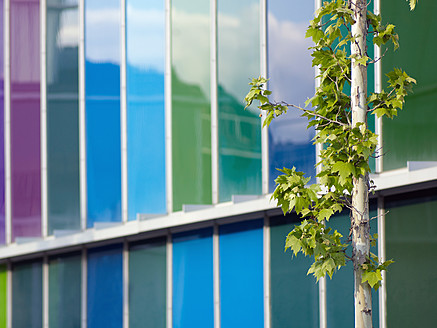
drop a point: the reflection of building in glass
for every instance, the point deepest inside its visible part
(134, 187)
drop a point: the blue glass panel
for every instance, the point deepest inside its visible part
(145, 107)
(105, 287)
(241, 275)
(340, 289)
(102, 81)
(292, 80)
(193, 300)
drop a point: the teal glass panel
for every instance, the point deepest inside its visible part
(27, 295)
(292, 80)
(62, 115)
(241, 275)
(410, 136)
(145, 25)
(340, 289)
(411, 241)
(191, 102)
(147, 284)
(65, 287)
(102, 113)
(239, 130)
(294, 294)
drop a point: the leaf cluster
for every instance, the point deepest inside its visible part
(371, 271)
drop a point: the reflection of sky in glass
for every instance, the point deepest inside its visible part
(292, 80)
(103, 31)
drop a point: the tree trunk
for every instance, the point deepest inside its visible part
(360, 200)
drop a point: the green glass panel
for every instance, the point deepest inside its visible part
(63, 115)
(410, 136)
(340, 289)
(65, 291)
(294, 294)
(191, 113)
(3, 295)
(239, 130)
(147, 284)
(411, 240)
(27, 295)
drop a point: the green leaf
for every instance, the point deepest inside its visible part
(373, 278)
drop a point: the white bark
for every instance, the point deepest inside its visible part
(360, 201)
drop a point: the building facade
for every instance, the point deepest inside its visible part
(135, 190)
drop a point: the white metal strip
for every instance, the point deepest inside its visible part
(267, 276)
(169, 281)
(7, 122)
(82, 126)
(9, 296)
(45, 286)
(43, 118)
(168, 110)
(84, 289)
(125, 285)
(123, 116)
(214, 105)
(382, 257)
(264, 72)
(378, 87)
(216, 275)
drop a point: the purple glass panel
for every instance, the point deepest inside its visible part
(25, 118)
(2, 167)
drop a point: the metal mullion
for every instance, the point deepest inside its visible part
(169, 296)
(264, 72)
(43, 118)
(214, 104)
(123, 116)
(7, 122)
(216, 276)
(267, 272)
(382, 293)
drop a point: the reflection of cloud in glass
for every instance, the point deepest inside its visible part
(147, 28)
(68, 35)
(194, 35)
(103, 27)
(238, 36)
(292, 77)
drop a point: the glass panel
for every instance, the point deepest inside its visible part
(25, 119)
(191, 101)
(3, 295)
(292, 80)
(193, 300)
(145, 107)
(340, 289)
(65, 287)
(409, 137)
(411, 239)
(241, 275)
(239, 129)
(2, 159)
(27, 295)
(147, 284)
(63, 115)
(105, 287)
(294, 294)
(102, 81)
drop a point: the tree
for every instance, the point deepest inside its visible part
(340, 121)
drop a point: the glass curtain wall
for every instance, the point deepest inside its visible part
(410, 136)
(145, 25)
(105, 287)
(65, 285)
(63, 115)
(193, 300)
(239, 130)
(411, 241)
(294, 294)
(191, 102)
(147, 284)
(292, 80)
(2, 154)
(102, 101)
(25, 118)
(241, 275)
(27, 295)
